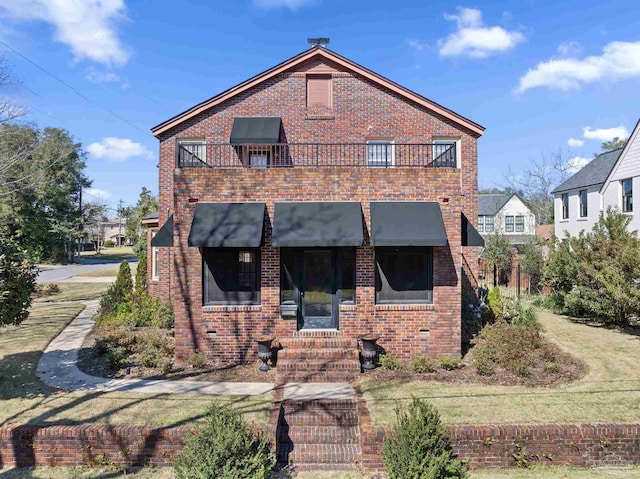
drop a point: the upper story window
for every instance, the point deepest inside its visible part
(508, 224)
(481, 223)
(583, 204)
(259, 156)
(380, 153)
(627, 195)
(565, 206)
(192, 152)
(319, 91)
(519, 224)
(446, 152)
(488, 224)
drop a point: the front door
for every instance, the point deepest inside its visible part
(318, 290)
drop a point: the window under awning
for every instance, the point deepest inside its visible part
(324, 223)
(233, 225)
(417, 223)
(255, 131)
(164, 236)
(470, 235)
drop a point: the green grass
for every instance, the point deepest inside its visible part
(75, 292)
(125, 252)
(109, 271)
(609, 392)
(24, 399)
(563, 472)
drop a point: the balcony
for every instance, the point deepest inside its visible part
(316, 155)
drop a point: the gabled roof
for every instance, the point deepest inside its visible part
(490, 204)
(313, 52)
(593, 173)
(632, 138)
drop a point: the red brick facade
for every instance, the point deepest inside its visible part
(362, 109)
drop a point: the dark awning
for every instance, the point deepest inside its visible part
(164, 236)
(325, 223)
(255, 131)
(416, 223)
(233, 225)
(470, 235)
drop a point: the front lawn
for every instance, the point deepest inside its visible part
(24, 399)
(609, 392)
(75, 292)
(110, 254)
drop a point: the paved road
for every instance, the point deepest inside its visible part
(58, 273)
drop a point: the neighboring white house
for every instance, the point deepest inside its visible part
(507, 214)
(608, 180)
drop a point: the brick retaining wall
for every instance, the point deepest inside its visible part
(483, 446)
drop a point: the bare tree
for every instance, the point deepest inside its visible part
(536, 182)
(8, 110)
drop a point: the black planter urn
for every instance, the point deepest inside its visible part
(264, 351)
(369, 351)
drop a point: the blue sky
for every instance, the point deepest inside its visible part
(541, 76)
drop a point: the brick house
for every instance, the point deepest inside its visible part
(320, 199)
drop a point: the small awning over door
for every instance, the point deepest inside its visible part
(164, 236)
(398, 223)
(324, 223)
(470, 235)
(233, 225)
(255, 131)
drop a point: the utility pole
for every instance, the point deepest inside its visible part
(120, 223)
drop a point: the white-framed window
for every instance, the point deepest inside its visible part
(447, 152)
(155, 261)
(192, 152)
(380, 153)
(481, 223)
(488, 224)
(259, 159)
(583, 204)
(508, 224)
(627, 195)
(565, 206)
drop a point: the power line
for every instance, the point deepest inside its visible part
(84, 97)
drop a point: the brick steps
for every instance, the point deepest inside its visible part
(318, 359)
(321, 434)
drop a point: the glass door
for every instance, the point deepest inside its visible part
(318, 291)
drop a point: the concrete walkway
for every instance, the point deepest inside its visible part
(58, 368)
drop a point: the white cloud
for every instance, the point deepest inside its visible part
(95, 76)
(576, 163)
(575, 143)
(292, 5)
(618, 60)
(605, 134)
(474, 39)
(568, 49)
(88, 27)
(417, 45)
(97, 193)
(119, 149)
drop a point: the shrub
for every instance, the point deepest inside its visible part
(597, 273)
(423, 364)
(118, 292)
(484, 359)
(141, 273)
(197, 360)
(389, 361)
(154, 357)
(449, 363)
(526, 318)
(46, 290)
(117, 357)
(224, 447)
(418, 446)
(108, 244)
(17, 283)
(494, 299)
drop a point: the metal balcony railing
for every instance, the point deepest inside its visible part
(288, 155)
